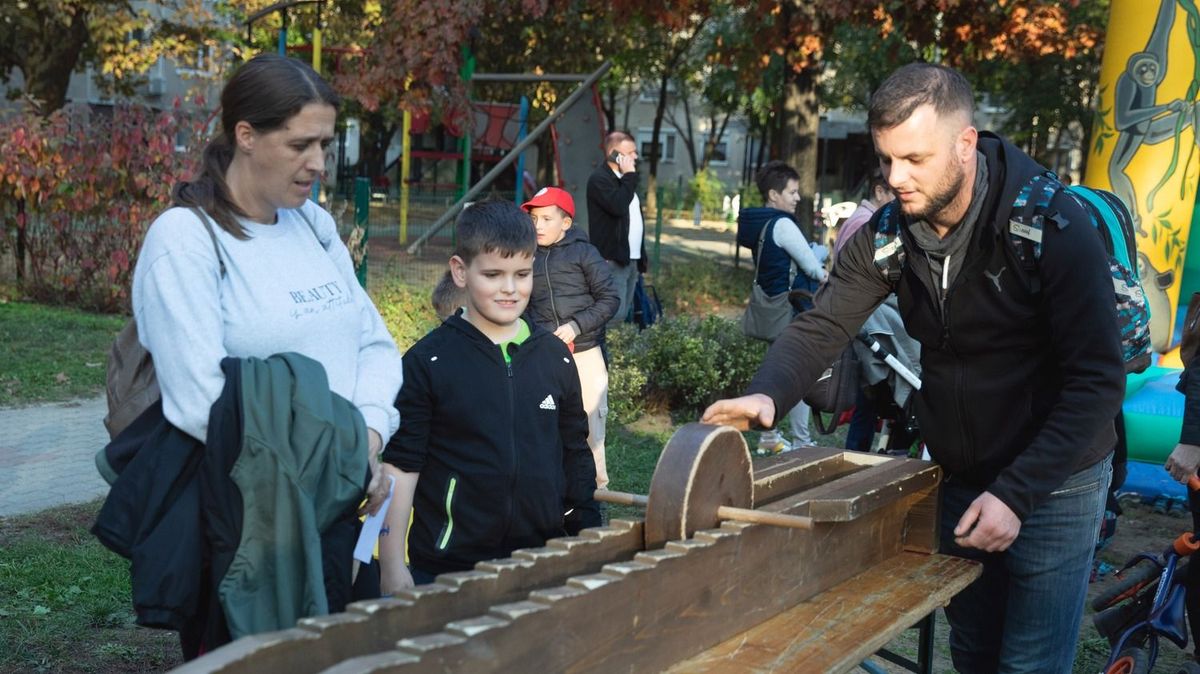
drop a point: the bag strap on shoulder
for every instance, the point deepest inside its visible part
(308, 221)
(762, 237)
(212, 235)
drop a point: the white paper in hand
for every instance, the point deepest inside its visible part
(364, 550)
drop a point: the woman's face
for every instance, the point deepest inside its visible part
(284, 163)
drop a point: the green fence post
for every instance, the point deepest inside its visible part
(362, 209)
(658, 201)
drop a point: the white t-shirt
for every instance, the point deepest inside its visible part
(787, 235)
(282, 291)
(636, 226)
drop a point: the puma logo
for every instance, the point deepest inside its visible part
(995, 277)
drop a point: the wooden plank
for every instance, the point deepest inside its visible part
(838, 629)
(922, 529)
(853, 495)
(376, 625)
(804, 468)
(666, 604)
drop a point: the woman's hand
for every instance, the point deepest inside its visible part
(377, 490)
(394, 578)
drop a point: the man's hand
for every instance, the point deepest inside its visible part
(378, 488)
(1183, 462)
(988, 525)
(626, 164)
(741, 412)
(566, 333)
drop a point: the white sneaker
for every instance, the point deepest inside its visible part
(772, 443)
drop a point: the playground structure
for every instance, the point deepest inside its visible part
(683, 589)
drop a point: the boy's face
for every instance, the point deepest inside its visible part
(497, 290)
(551, 224)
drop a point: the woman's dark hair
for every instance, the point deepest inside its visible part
(774, 175)
(265, 92)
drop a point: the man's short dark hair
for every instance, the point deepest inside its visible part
(613, 139)
(494, 226)
(917, 84)
(774, 175)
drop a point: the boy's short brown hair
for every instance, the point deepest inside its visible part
(494, 226)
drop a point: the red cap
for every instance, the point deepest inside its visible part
(551, 196)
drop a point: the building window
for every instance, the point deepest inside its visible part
(649, 91)
(197, 62)
(720, 154)
(667, 143)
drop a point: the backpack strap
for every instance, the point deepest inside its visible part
(889, 246)
(211, 235)
(1027, 220)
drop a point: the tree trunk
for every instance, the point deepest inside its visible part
(50, 60)
(610, 110)
(656, 143)
(798, 144)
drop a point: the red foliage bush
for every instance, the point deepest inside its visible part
(81, 188)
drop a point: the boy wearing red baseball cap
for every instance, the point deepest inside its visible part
(573, 297)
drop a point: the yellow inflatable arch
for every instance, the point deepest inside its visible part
(1144, 144)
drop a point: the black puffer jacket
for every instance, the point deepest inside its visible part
(572, 283)
(1019, 391)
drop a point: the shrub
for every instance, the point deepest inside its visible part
(627, 375)
(405, 310)
(708, 189)
(80, 189)
(681, 363)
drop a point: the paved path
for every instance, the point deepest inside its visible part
(46, 455)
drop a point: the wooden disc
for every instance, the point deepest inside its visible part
(702, 468)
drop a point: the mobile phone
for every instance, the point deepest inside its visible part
(614, 157)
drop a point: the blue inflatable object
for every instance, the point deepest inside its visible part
(1151, 481)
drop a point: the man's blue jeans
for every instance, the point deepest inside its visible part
(1023, 613)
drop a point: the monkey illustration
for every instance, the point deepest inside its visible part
(1155, 284)
(1138, 119)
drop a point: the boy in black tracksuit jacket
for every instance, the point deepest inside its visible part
(492, 448)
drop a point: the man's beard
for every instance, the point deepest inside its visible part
(944, 193)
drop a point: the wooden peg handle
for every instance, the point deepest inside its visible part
(621, 498)
(764, 517)
(723, 512)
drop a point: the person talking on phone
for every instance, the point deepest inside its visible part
(615, 223)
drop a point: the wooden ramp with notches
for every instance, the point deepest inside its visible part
(717, 595)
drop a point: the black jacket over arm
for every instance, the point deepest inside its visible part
(1019, 390)
(608, 199)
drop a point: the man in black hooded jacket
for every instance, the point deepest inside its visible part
(1020, 386)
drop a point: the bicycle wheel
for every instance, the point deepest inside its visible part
(1129, 584)
(1130, 661)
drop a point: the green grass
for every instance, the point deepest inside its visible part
(65, 600)
(702, 287)
(52, 353)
